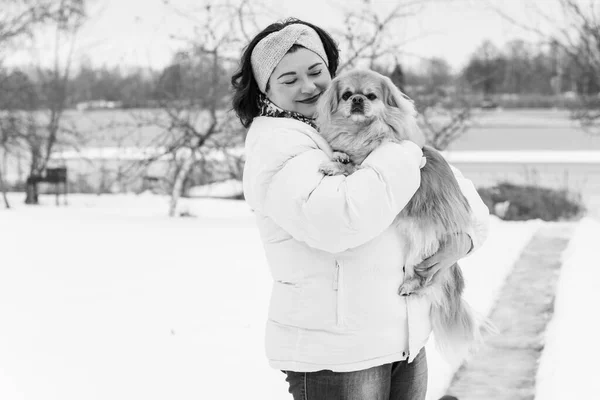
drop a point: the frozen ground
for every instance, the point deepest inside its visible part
(568, 367)
(110, 299)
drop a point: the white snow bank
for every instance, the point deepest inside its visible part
(569, 363)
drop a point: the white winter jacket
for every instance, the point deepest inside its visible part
(335, 261)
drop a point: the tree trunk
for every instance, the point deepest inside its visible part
(32, 192)
(178, 184)
(3, 188)
(35, 171)
(4, 167)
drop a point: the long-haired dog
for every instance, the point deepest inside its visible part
(363, 109)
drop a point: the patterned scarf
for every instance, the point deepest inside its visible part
(269, 109)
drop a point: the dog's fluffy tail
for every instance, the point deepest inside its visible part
(458, 330)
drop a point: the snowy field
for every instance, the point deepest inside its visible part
(110, 299)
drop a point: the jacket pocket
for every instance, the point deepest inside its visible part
(337, 286)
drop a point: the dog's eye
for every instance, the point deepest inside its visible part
(371, 96)
(346, 96)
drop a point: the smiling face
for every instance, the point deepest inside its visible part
(298, 81)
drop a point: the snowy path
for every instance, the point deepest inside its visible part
(505, 368)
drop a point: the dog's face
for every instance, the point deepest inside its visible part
(361, 97)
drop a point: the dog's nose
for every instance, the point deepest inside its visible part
(357, 100)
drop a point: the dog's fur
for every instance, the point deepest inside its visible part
(361, 110)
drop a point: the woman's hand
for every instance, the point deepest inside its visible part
(452, 249)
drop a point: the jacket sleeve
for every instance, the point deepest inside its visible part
(480, 214)
(333, 213)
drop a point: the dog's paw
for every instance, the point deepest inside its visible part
(332, 168)
(410, 286)
(343, 158)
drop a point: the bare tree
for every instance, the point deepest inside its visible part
(6, 139)
(368, 35)
(443, 108)
(43, 124)
(195, 94)
(18, 19)
(442, 124)
(369, 39)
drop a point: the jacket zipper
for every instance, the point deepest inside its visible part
(337, 286)
(407, 322)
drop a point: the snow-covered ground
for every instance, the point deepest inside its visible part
(568, 367)
(110, 299)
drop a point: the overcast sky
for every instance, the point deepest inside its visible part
(138, 32)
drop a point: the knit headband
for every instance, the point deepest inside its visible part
(270, 50)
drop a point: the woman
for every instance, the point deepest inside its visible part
(336, 327)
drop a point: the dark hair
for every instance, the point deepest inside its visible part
(244, 84)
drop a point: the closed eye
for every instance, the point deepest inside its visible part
(316, 73)
(346, 96)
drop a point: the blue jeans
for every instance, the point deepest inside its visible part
(395, 381)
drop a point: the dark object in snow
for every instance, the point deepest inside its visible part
(55, 176)
(186, 213)
(513, 202)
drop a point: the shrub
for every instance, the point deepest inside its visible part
(522, 202)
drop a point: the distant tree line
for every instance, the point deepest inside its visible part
(517, 68)
(524, 68)
(22, 88)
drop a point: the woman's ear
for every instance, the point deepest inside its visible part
(328, 103)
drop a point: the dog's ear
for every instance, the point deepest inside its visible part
(400, 113)
(328, 103)
(393, 97)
